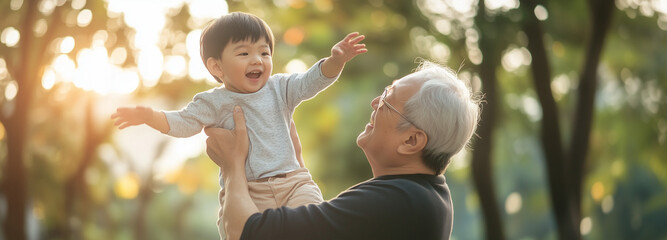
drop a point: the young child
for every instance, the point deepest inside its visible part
(237, 50)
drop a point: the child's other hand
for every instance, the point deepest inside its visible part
(348, 48)
(126, 117)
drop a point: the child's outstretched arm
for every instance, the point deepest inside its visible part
(343, 52)
(126, 117)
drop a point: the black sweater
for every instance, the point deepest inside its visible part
(416, 206)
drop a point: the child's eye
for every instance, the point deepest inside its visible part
(266, 54)
(243, 54)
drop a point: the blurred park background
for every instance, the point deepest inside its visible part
(572, 143)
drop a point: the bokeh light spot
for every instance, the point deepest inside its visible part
(597, 191)
(10, 36)
(295, 65)
(294, 36)
(48, 79)
(2, 131)
(513, 203)
(541, 13)
(127, 186)
(15, 5)
(586, 225)
(11, 90)
(67, 44)
(84, 18)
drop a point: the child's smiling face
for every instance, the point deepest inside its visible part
(245, 65)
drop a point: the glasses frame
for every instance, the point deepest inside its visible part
(384, 102)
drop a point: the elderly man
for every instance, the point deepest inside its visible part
(417, 124)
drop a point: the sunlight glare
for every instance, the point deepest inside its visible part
(513, 203)
(150, 64)
(118, 56)
(48, 79)
(64, 67)
(175, 66)
(10, 36)
(67, 44)
(205, 9)
(192, 44)
(93, 69)
(84, 18)
(125, 80)
(197, 71)
(295, 66)
(11, 90)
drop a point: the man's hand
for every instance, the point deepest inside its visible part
(229, 148)
(126, 117)
(343, 52)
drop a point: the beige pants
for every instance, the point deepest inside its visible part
(292, 189)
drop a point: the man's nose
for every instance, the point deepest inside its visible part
(375, 102)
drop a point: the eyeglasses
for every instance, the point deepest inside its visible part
(383, 101)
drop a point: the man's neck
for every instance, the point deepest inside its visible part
(402, 170)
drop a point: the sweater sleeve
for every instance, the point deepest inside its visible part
(190, 120)
(303, 86)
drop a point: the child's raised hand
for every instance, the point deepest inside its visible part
(348, 48)
(126, 117)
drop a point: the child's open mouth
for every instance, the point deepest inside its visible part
(253, 74)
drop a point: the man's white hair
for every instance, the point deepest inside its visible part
(446, 109)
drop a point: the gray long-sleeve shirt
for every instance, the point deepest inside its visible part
(268, 113)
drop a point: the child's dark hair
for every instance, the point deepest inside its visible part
(233, 27)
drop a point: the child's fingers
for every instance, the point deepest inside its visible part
(357, 39)
(358, 46)
(124, 125)
(350, 36)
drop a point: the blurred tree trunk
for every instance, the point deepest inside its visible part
(565, 172)
(75, 186)
(601, 14)
(25, 65)
(481, 159)
(146, 195)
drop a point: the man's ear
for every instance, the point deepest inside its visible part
(214, 67)
(413, 142)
